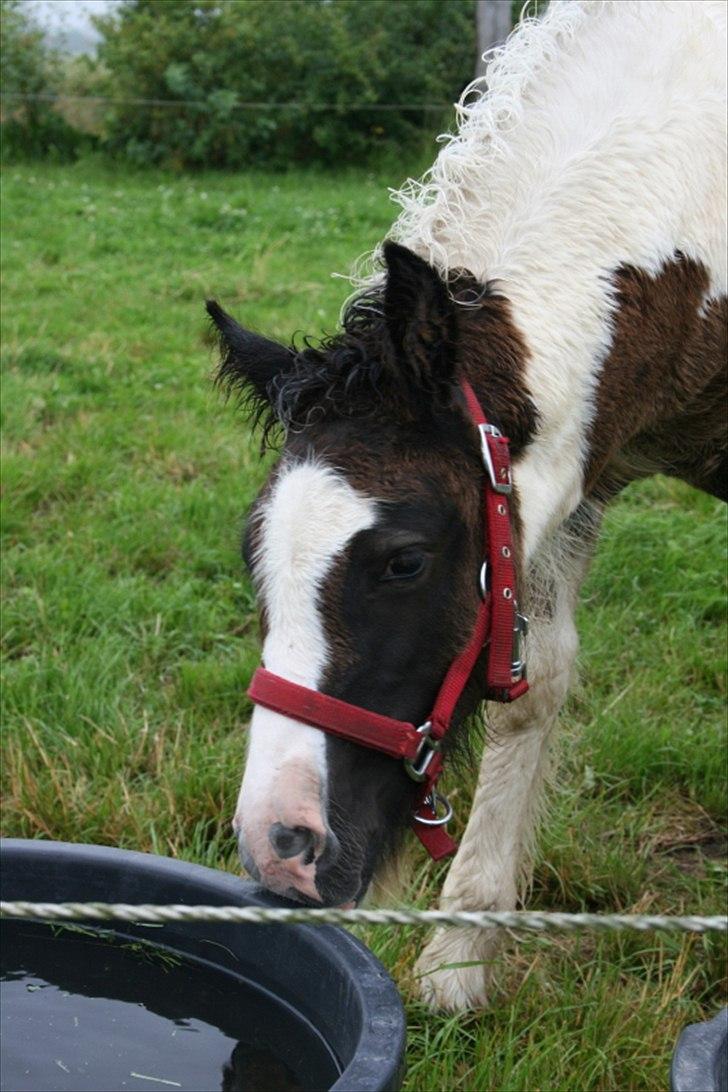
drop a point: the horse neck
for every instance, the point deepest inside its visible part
(606, 165)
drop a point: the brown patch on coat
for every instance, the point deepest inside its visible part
(661, 400)
(492, 355)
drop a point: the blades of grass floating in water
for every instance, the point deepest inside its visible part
(159, 1080)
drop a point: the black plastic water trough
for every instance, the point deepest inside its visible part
(700, 1061)
(292, 1007)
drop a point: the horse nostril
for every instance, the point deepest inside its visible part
(292, 841)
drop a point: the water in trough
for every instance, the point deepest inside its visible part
(91, 1010)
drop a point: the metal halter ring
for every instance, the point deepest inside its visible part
(434, 799)
(417, 767)
(520, 632)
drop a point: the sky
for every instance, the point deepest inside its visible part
(68, 22)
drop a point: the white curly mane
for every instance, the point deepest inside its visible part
(569, 102)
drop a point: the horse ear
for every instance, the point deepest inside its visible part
(249, 362)
(420, 317)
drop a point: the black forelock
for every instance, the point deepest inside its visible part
(353, 373)
(339, 375)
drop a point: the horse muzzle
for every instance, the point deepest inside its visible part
(300, 864)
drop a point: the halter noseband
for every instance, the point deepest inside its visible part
(498, 624)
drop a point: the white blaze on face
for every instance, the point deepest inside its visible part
(308, 520)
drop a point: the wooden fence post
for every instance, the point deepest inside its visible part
(493, 25)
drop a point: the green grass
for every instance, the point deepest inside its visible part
(130, 633)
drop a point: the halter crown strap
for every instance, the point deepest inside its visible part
(498, 625)
(506, 625)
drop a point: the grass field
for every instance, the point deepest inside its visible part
(130, 632)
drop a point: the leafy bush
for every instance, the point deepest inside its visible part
(29, 70)
(321, 56)
(41, 135)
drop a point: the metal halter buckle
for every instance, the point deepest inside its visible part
(520, 632)
(504, 487)
(417, 767)
(439, 821)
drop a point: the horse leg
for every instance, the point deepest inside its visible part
(492, 864)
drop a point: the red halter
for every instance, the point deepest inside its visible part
(497, 624)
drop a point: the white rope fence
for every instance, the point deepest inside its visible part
(533, 921)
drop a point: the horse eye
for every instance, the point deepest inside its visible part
(404, 565)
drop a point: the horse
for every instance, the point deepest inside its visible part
(564, 259)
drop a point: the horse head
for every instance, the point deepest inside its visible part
(364, 547)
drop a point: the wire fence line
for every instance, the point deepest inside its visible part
(211, 106)
(533, 921)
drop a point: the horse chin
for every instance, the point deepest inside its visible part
(324, 904)
(340, 893)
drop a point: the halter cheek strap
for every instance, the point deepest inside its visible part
(498, 625)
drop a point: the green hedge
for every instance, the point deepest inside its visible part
(31, 128)
(197, 65)
(318, 54)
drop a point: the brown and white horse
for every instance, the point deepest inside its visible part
(566, 254)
